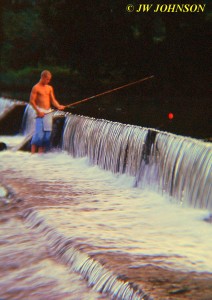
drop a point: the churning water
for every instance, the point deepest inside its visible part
(119, 189)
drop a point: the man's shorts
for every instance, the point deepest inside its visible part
(41, 138)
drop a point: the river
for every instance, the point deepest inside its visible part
(74, 229)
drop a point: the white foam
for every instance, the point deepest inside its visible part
(110, 212)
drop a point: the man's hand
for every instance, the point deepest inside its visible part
(61, 107)
(40, 114)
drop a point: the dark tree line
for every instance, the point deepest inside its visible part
(99, 36)
(104, 46)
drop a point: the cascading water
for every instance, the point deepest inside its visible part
(166, 163)
(175, 165)
(83, 213)
(5, 104)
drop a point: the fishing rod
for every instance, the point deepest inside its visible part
(109, 91)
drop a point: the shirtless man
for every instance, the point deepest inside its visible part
(41, 98)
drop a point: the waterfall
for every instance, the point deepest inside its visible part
(97, 275)
(184, 169)
(175, 165)
(28, 123)
(6, 105)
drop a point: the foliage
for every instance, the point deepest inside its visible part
(104, 44)
(23, 35)
(25, 78)
(92, 47)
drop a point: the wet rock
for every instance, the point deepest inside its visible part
(57, 132)
(3, 146)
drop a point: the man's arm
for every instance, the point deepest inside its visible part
(54, 101)
(32, 101)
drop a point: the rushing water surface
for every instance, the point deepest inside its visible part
(109, 212)
(102, 206)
